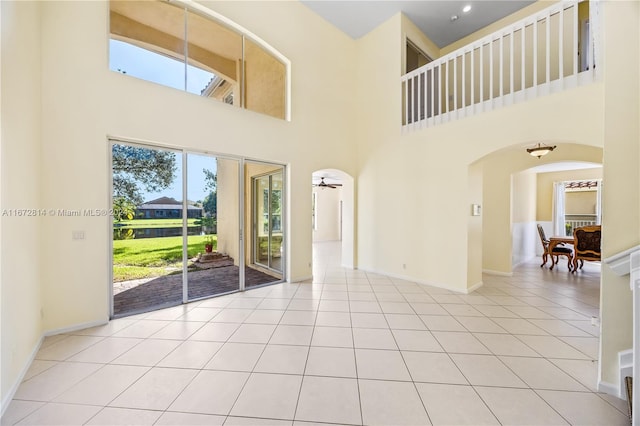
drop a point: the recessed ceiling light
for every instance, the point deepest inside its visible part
(466, 8)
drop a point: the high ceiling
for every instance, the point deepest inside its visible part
(356, 18)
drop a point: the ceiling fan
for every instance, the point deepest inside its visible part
(323, 184)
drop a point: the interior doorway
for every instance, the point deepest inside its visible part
(333, 212)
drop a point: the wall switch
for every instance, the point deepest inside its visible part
(77, 235)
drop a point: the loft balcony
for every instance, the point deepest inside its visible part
(548, 52)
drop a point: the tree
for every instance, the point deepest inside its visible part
(123, 209)
(210, 180)
(210, 203)
(135, 168)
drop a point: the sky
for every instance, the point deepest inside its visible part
(196, 190)
(147, 65)
(141, 63)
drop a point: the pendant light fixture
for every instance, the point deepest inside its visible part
(540, 149)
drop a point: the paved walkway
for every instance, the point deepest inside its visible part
(167, 290)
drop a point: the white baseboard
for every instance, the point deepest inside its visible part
(423, 282)
(74, 327)
(499, 273)
(474, 287)
(300, 279)
(609, 389)
(14, 388)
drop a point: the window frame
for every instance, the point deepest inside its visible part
(205, 12)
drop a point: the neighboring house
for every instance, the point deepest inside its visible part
(167, 208)
(417, 167)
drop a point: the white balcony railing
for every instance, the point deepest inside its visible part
(551, 51)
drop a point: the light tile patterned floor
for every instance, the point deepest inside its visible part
(350, 348)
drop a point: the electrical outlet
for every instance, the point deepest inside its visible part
(404, 266)
(77, 235)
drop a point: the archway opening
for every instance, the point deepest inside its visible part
(333, 218)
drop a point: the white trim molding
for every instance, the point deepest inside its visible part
(300, 279)
(608, 388)
(498, 273)
(14, 388)
(423, 282)
(75, 327)
(621, 263)
(474, 287)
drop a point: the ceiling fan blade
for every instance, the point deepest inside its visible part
(323, 184)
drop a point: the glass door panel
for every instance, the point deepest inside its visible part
(213, 224)
(147, 228)
(276, 248)
(262, 221)
(267, 191)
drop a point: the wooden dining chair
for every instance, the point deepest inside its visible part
(558, 250)
(586, 244)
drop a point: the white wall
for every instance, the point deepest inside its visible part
(349, 248)
(21, 244)
(474, 247)
(524, 233)
(327, 214)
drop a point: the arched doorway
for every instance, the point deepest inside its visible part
(511, 205)
(333, 213)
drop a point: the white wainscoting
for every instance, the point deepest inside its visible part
(524, 240)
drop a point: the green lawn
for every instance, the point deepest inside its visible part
(157, 223)
(152, 257)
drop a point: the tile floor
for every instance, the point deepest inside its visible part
(350, 348)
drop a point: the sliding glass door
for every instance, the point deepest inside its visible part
(178, 224)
